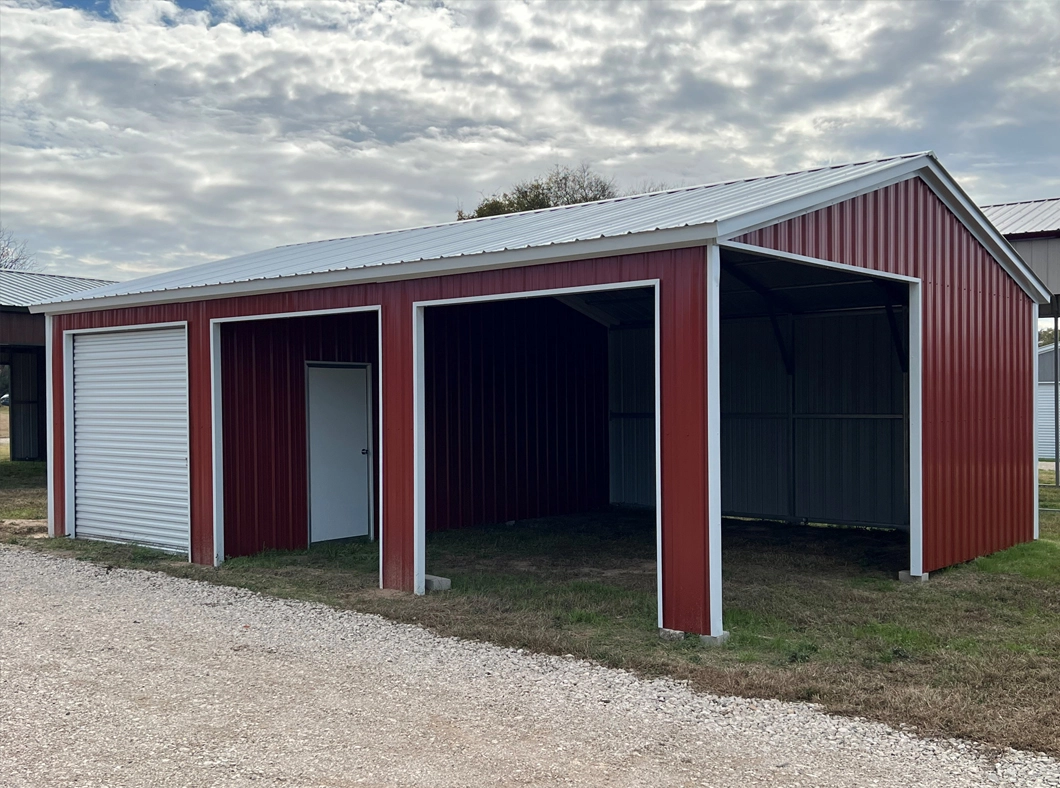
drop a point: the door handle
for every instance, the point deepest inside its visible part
(364, 451)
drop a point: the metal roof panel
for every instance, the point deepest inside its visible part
(23, 288)
(670, 209)
(1029, 216)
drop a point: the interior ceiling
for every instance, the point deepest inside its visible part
(754, 286)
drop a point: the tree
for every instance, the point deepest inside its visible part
(13, 254)
(559, 186)
(1045, 336)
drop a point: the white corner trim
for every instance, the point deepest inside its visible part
(916, 430)
(714, 568)
(49, 416)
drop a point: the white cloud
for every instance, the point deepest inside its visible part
(156, 136)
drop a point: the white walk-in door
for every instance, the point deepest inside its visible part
(340, 468)
(130, 437)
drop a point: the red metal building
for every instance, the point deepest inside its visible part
(863, 324)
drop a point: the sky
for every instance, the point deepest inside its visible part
(141, 136)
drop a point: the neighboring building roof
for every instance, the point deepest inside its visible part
(1025, 218)
(667, 219)
(24, 288)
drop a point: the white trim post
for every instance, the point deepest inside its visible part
(49, 417)
(217, 455)
(717, 635)
(916, 437)
(68, 434)
(419, 539)
(658, 459)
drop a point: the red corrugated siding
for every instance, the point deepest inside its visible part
(683, 422)
(263, 401)
(516, 412)
(977, 380)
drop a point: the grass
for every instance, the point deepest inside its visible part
(815, 613)
(23, 485)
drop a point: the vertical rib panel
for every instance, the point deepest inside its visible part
(977, 373)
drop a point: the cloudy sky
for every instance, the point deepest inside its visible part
(142, 135)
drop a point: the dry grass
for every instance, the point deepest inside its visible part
(815, 613)
(5, 422)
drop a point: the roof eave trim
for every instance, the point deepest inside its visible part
(632, 243)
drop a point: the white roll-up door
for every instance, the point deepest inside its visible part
(130, 412)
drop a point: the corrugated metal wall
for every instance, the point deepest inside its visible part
(978, 387)
(263, 402)
(631, 398)
(516, 412)
(827, 444)
(1046, 420)
(683, 364)
(1042, 255)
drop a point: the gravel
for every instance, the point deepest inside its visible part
(117, 677)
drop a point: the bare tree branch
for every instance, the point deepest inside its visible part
(13, 254)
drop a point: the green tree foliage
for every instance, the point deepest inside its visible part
(559, 186)
(1045, 336)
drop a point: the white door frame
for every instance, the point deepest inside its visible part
(916, 384)
(371, 442)
(69, 488)
(217, 416)
(419, 417)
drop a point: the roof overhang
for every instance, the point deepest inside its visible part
(924, 166)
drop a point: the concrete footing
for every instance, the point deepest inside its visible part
(706, 640)
(714, 640)
(905, 577)
(435, 583)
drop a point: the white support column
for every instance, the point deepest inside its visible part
(49, 405)
(419, 547)
(717, 632)
(217, 457)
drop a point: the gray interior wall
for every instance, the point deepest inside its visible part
(631, 400)
(828, 443)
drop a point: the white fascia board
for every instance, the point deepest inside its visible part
(633, 243)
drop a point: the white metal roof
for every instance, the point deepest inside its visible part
(23, 288)
(1029, 216)
(666, 219)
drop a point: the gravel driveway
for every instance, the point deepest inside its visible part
(135, 678)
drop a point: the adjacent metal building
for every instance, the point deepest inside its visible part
(22, 348)
(862, 330)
